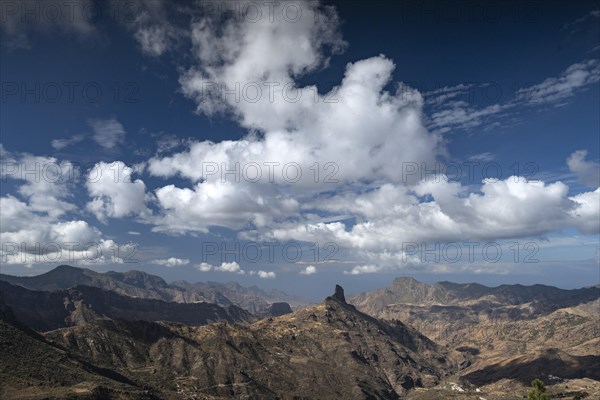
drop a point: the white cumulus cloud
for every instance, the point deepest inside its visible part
(224, 267)
(310, 270)
(171, 262)
(266, 275)
(363, 269)
(114, 192)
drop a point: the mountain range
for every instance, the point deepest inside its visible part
(78, 334)
(143, 285)
(48, 310)
(330, 350)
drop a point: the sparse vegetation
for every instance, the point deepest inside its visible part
(537, 391)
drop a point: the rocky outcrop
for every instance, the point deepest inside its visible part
(339, 294)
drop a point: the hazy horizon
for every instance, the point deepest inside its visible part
(324, 289)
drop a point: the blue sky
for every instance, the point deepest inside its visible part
(118, 119)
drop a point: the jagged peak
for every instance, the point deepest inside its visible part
(338, 295)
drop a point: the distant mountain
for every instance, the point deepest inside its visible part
(328, 351)
(278, 309)
(44, 311)
(132, 283)
(147, 286)
(505, 328)
(252, 298)
(409, 291)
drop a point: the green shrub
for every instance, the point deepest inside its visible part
(537, 391)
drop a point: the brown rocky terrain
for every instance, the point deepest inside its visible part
(31, 367)
(422, 342)
(514, 332)
(329, 351)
